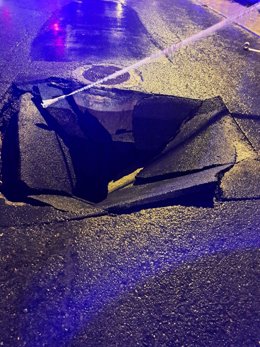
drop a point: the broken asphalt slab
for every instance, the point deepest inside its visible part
(45, 210)
(208, 139)
(40, 160)
(68, 204)
(145, 195)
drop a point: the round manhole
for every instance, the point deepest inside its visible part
(97, 72)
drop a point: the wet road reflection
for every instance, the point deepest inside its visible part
(5, 16)
(90, 28)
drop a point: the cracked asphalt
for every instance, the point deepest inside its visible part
(179, 275)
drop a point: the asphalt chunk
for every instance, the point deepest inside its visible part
(42, 161)
(68, 204)
(144, 195)
(209, 139)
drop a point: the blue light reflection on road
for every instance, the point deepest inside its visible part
(92, 28)
(136, 269)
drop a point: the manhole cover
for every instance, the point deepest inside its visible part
(98, 72)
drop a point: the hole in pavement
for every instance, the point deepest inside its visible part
(119, 149)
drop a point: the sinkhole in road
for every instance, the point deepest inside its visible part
(84, 145)
(115, 148)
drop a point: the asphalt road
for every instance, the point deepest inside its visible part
(172, 276)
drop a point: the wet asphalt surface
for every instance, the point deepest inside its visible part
(172, 276)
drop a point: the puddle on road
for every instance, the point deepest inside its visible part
(90, 28)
